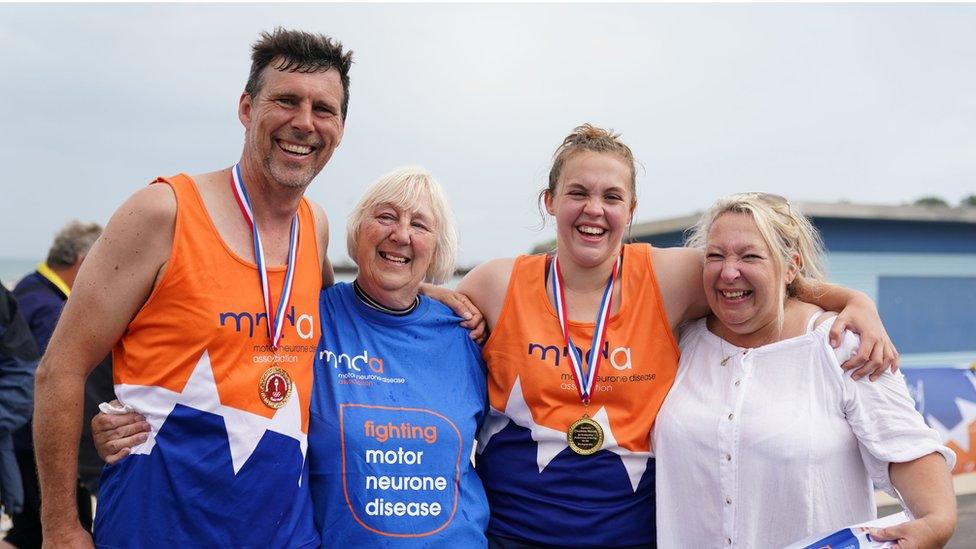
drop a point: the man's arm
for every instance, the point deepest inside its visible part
(115, 280)
(322, 240)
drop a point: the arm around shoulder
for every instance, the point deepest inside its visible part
(486, 286)
(859, 314)
(679, 276)
(114, 282)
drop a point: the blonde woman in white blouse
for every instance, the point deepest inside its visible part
(763, 439)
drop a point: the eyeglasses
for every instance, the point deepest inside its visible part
(773, 200)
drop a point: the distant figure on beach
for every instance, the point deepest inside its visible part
(42, 295)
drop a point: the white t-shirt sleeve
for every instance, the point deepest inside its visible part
(883, 417)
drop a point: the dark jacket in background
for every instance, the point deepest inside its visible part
(18, 361)
(41, 303)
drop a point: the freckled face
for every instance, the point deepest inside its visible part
(394, 251)
(740, 278)
(293, 124)
(593, 203)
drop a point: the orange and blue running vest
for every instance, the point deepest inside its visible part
(221, 467)
(538, 489)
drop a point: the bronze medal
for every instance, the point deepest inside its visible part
(276, 387)
(585, 436)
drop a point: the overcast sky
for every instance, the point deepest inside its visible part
(867, 103)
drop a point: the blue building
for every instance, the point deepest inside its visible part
(917, 262)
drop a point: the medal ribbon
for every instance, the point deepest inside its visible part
(584, 380)
(276, 322)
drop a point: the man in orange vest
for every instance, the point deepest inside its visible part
(207, 287)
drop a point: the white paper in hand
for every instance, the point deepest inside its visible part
(111, 409)
(853, 537)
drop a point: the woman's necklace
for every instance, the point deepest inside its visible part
(726, 357)
(373, 304)
(729, 356)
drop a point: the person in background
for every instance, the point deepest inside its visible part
(763, 433)
(42, 295)
(18, 359)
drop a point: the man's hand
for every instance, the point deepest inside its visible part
(876, 352)
(473, 320)
(116, 434)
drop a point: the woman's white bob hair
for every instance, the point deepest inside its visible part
(408, 189)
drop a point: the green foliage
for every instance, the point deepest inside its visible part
(931, 201)
(969, 201)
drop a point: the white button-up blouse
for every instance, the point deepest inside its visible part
(778, 443)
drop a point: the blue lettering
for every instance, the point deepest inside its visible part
(564, 351)
(237, 320)
(252, 320)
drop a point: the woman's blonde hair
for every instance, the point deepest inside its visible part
(787, 232)
(408, 189)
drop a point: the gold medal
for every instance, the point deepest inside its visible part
(585, 436)
(276, 387)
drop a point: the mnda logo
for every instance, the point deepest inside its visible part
(619, 357)
(304, 324)
(355, 363)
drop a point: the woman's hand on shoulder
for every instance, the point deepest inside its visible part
(876, 353)
(471, 316)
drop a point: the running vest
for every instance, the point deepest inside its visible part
(538, 489)
(220, 468)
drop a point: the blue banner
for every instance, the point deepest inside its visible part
(946, 398)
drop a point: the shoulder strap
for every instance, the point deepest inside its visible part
(813, 319)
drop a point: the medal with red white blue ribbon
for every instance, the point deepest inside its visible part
(275, 323)
(584, 436)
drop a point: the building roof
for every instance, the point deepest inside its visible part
(836, 210)
(816, 211)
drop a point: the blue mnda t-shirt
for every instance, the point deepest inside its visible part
(396, 404)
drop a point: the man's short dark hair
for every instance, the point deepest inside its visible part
(298, 51)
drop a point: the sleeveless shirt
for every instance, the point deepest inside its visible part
(220, 468)
(538, 489)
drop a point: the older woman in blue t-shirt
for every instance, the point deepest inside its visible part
(399, 386)
(399, 390)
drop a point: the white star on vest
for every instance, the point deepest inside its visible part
(550, 442)
(244, 429)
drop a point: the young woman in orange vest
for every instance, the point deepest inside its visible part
(582, 353)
